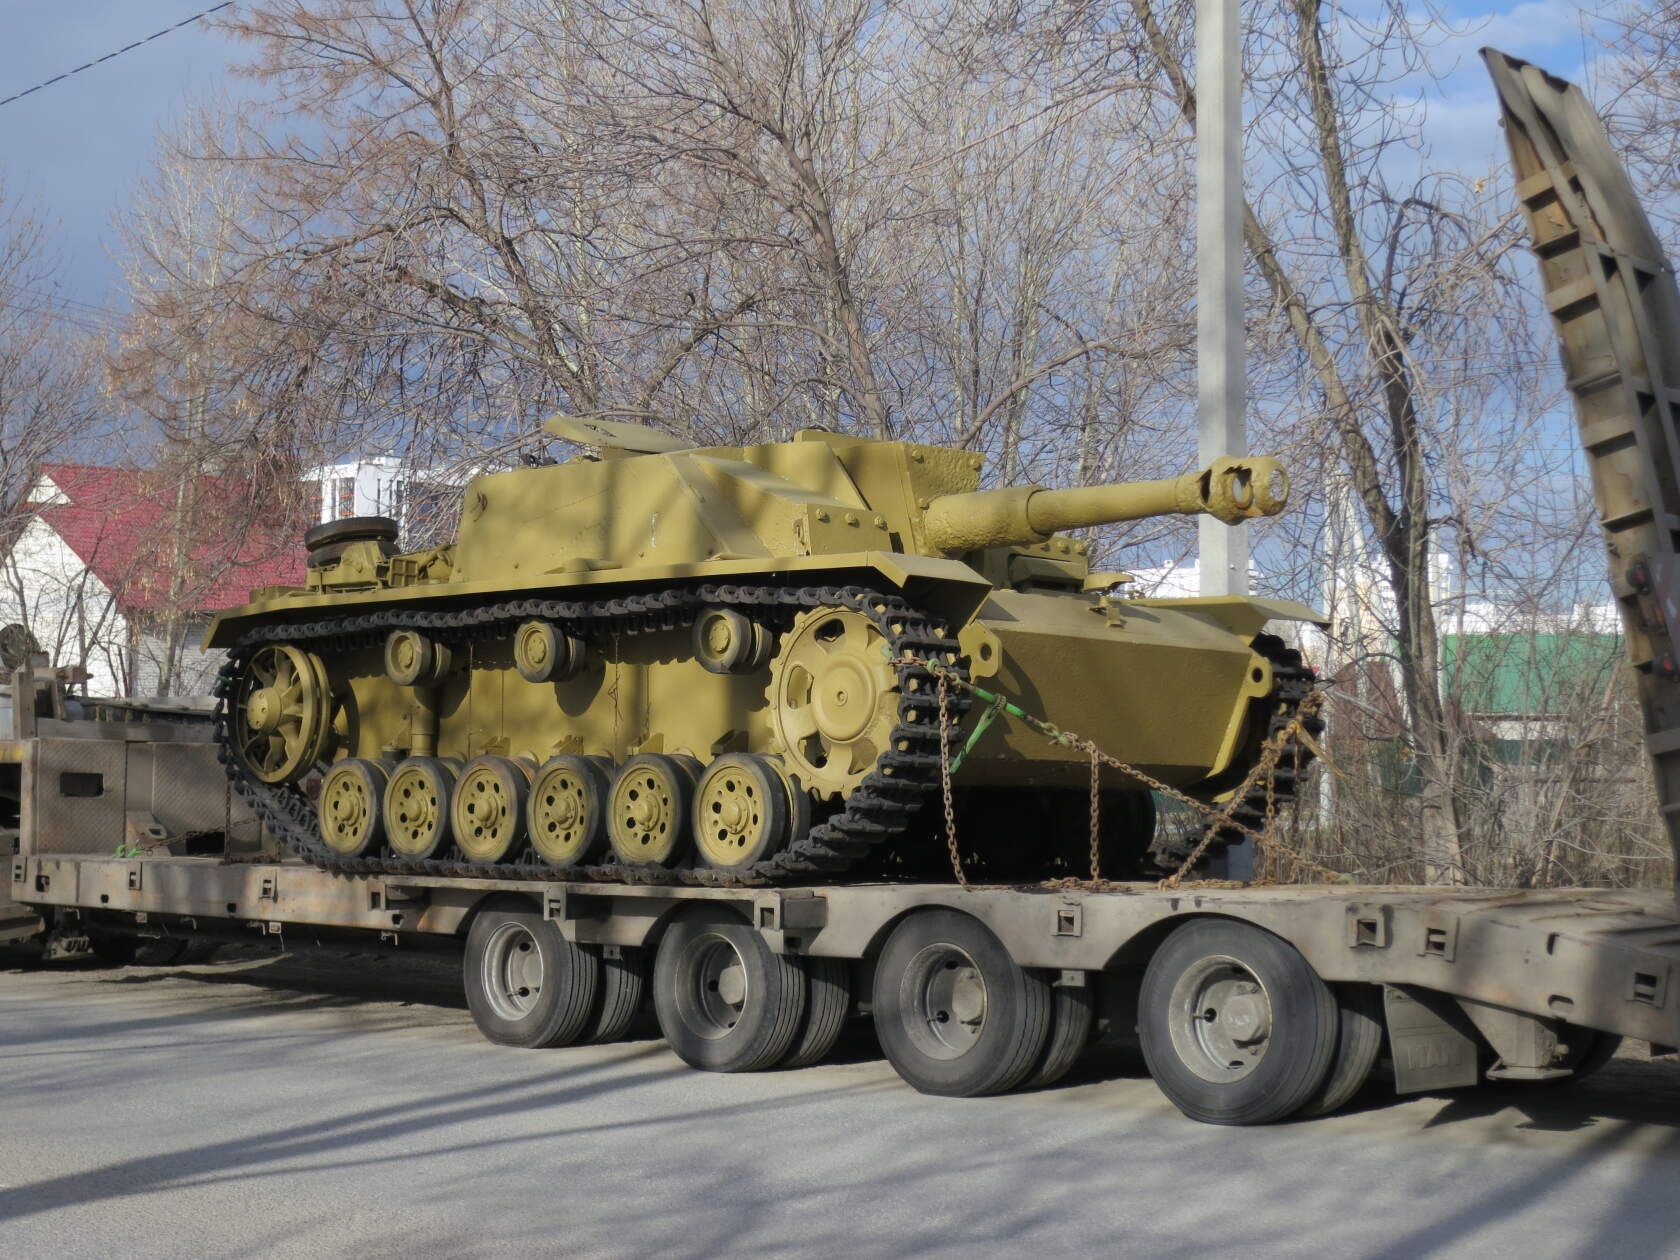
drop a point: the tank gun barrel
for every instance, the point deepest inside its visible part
(1230, 490)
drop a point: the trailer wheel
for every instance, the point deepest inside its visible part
(623, 986)
(526, 984)
(1070, 1030)
(1594, 1054)
(1359, 1039)
(725, 1002)
(114, 951)
(954, 1012)
(1236, 1027)
(828, 984)
(1589, 1050)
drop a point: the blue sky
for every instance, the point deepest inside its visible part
(74, 150)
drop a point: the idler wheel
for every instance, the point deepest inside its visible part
(543, 653)
(567, 810)
(647, 816)
(833, 699)
(349, 808)
(487, 806)
(417, 806)
(728, 642)
(281, 713)
(414, 660)
(741, 811)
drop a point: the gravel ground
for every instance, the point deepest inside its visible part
(320, 1106)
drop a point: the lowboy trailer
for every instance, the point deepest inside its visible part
(1250, 1004)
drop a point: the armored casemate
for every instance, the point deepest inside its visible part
(719, 664)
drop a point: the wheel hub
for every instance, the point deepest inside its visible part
(1246, 1019)
(718, 987)
(1221, 1019)
(844, 699)
(968, 997)
(946, 1001)
(645, 810)
(512, 971)
(732, 984)
(264, 710)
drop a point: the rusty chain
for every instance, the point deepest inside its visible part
(1218, 819)
(945, 779)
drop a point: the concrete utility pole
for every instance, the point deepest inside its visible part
(1221, 385)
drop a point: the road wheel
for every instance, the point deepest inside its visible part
(351, 810)
(417, 806)
(648, 812)
(828, 982)
(1359, 1039)
(1236, 1027)
(954, 1013)
(567, 810)
(526, 984)
(487, 807)
(741, 811)
(725, 1002)
(623, 986)
(1070, 1031)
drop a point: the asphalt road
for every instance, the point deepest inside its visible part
(322, 1107)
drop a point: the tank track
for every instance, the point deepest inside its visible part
(878, 809)
(1292, 683)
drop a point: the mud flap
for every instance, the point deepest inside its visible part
(1434, 1044)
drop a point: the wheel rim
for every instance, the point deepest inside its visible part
(416, 813)
(565, 812)
(944, 1001)
(739, 812)
(281, 714)
(834, 699)
(647, 814)
(486, 811)
(512, 972)
(349, 807)
(1220, 1019)
(713, 989)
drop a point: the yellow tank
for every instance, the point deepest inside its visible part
(718, 665)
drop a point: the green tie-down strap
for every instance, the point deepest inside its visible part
(994, 705)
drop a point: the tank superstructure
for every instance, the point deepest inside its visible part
(713, 664)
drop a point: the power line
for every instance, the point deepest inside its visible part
(58, 78)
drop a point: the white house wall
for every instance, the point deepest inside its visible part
(71, 613)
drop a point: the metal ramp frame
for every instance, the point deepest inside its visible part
(1613, 301)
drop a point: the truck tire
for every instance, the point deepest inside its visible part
(725, 1002)
(828, 983)
(955, 1014)
(114, 951)
(526, 984)
(1359, 1040)
(1071, 1018)
(623, 986)
(1236, 1027)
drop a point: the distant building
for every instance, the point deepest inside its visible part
(101, 576)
